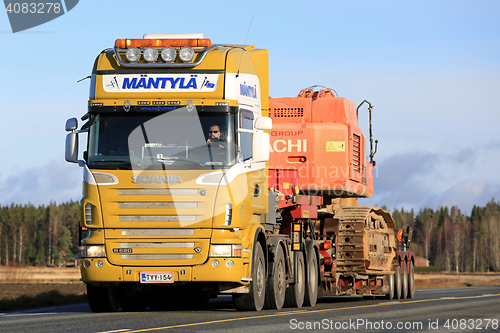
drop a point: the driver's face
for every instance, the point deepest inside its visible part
(214, 132)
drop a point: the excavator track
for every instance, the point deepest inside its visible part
(366, 242)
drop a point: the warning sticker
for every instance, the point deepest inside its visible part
(335, 146)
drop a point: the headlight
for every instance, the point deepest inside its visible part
(150, 54)
(168, 54)
(186, 54)
(233, 250)
(92, 251)
(133, 54)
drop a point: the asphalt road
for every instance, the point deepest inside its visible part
(468, 309)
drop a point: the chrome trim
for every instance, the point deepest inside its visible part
(158, 232)
(156, 245)
(153, 205)
(159, 191)
(157, 218)
(156, 256)
(169, 65)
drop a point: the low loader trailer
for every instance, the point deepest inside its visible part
(197, 184)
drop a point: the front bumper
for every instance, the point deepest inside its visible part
(207, 272)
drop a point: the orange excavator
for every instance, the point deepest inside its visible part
(318, 170)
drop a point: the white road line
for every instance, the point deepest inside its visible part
(29, 314)
(124, 330)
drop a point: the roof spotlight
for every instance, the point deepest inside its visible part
(186, 54)
(133, 54)
(168, 54)
(150, 54)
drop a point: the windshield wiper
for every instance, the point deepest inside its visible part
(112, 161)
(172, 160)
(125, 163)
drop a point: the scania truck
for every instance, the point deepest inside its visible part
(190, 191)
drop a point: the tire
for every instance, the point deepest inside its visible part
(102, 299)
(254, 300)
(311, 294)
(411, 281)
(390, 282)
(276, 285)
(294, 296)
(398, 282)
(404, 291)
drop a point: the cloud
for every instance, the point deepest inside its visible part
(463, 177)
(56, 181)
(400, 180)
(467, 194)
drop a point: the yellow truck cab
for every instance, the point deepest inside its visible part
(174, 174)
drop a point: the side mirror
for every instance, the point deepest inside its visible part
(71, 124)
(263, 123)
(71, 153)
(260, 146)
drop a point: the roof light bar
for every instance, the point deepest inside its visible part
(198, 42)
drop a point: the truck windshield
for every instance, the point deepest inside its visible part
(180, 139)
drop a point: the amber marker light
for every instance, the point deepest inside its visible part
(191, 42)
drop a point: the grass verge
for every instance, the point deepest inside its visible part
(49, 298)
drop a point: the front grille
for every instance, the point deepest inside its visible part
(159, 191)
(157, 218)
(157, 226)
(158, 232)
(162, 209)
(177, 205)
(156, 256)
(158, 251)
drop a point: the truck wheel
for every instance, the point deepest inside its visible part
(398, 283)
(102, 299)
(311, 295)
(404, 292)
(294, 296)
(390, 282)
(411, 281)
(276, 285)
(254, 300)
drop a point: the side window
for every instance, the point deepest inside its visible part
(246, 136)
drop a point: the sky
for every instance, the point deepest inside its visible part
(430, 68)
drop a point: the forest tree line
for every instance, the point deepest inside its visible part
(39, 236)
(449, 239)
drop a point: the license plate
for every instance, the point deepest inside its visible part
(157, 277)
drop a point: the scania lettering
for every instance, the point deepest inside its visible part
(185, 197)
(156, 179)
